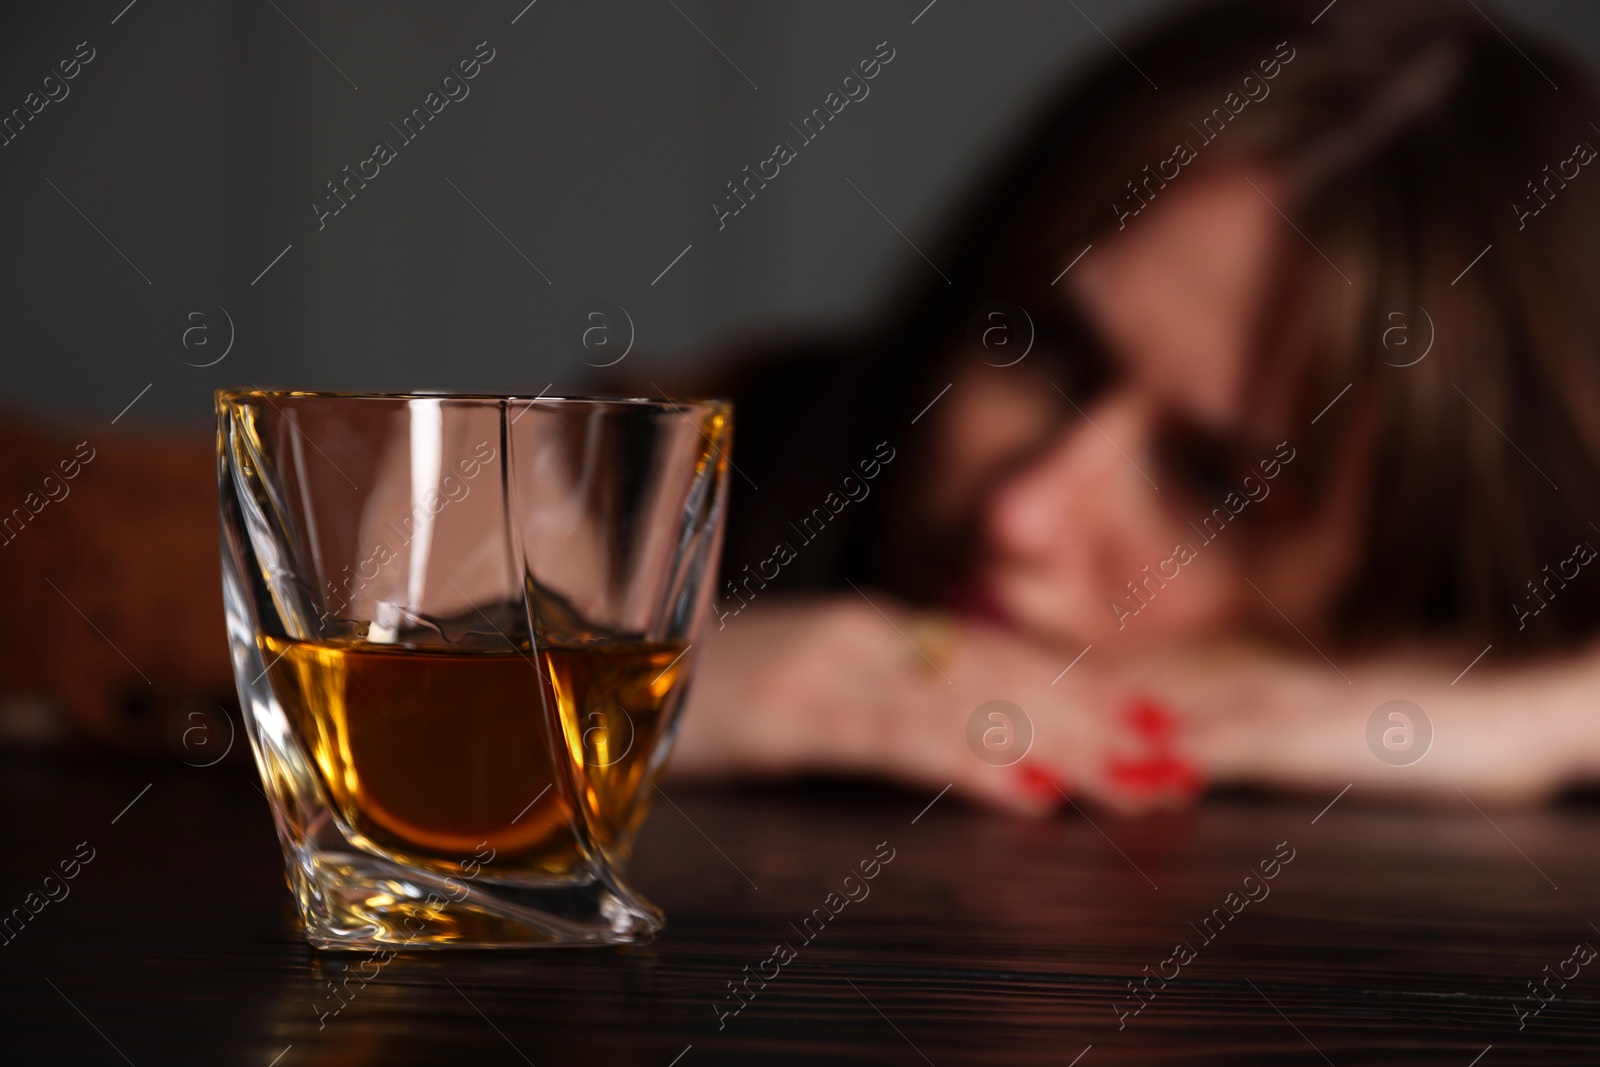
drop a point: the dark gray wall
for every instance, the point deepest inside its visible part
(201, 134)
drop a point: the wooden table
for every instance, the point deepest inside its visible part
(1391, 936)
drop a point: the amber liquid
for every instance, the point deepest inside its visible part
(616, 703)
(431, 754)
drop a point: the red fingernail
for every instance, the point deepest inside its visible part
(1040, 783)
(1152, 721)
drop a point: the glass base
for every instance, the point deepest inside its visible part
(352, 900)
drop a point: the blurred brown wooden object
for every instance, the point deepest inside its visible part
(110, 568)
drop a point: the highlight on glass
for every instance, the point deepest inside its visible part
(462, 628)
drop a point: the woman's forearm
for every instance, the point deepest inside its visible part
(1406, 724)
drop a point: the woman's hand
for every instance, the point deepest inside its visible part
(846, 686)
(834, 685)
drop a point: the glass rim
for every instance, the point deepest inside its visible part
(252, 392)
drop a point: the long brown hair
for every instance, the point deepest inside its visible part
(1413, 138)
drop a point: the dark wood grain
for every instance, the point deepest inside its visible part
(1392, 936)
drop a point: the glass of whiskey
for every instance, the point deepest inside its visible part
(462, 628)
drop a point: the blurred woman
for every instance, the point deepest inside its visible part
(1242, 407)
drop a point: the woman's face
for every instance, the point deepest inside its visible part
(1163, 475)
